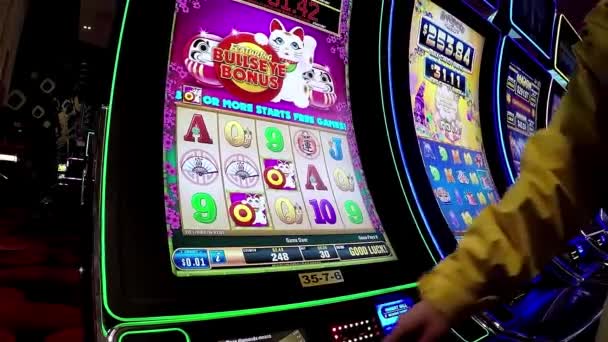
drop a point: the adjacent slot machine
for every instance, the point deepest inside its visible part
(531, 93)
(447, 138)
(527, 96)
(236, 202)
(564, 65)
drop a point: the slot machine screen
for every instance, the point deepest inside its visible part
(555, 99)
(522, 97)
(261, 166)
(565, 60)
(535, 19)
(445, 59)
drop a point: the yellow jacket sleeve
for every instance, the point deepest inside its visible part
(562, 178)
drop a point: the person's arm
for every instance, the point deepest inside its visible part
(560, 187)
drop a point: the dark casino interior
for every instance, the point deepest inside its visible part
(279, 182)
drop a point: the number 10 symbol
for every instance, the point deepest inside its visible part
(324, 211)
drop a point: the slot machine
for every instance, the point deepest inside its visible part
(527, 96)
(564, 65)
(235, 200)
(447, 141)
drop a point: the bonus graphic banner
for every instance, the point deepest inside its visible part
(249, 56)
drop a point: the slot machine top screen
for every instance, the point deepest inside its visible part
(445, 61)
(261, 166)
(567, 37)
(522, 105)
(534, 19)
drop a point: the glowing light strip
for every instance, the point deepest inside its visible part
(549, 100)
(199, 316)
(556, 47)
(395, 119)
(9, 158)
(523, 33)
(491, 5)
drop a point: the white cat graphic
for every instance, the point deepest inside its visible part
(258, 203)
(297, 51)
(289, 171)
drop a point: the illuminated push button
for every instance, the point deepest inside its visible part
(217, 256)
(191, 259)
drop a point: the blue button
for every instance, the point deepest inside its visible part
(217, 256)
(191, 259)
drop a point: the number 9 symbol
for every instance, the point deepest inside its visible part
(355, 215)
(242, 214)
(274, 178)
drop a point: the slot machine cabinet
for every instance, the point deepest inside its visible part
(531, 23)
(195, 236)
(436, 163)
(563, 66)
(525, 91)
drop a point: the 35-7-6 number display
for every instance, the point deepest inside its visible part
(320, 278)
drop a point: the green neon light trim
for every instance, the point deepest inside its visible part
(390, 144)
(263, 310)
(104, 169)
(189, 317)
(155, 331)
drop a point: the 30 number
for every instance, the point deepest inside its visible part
(205, 208)
(324, 211)
(324, 254)
(355, 215)
(274, 139)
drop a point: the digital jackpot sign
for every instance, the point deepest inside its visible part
(522, 96)
(261, 163)
(445, 62)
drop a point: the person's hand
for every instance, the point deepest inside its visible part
(422, 323)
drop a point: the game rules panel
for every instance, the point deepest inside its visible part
(261, 165)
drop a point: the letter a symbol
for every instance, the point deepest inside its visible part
(313, 180)
(198, 130)
(336, 151)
